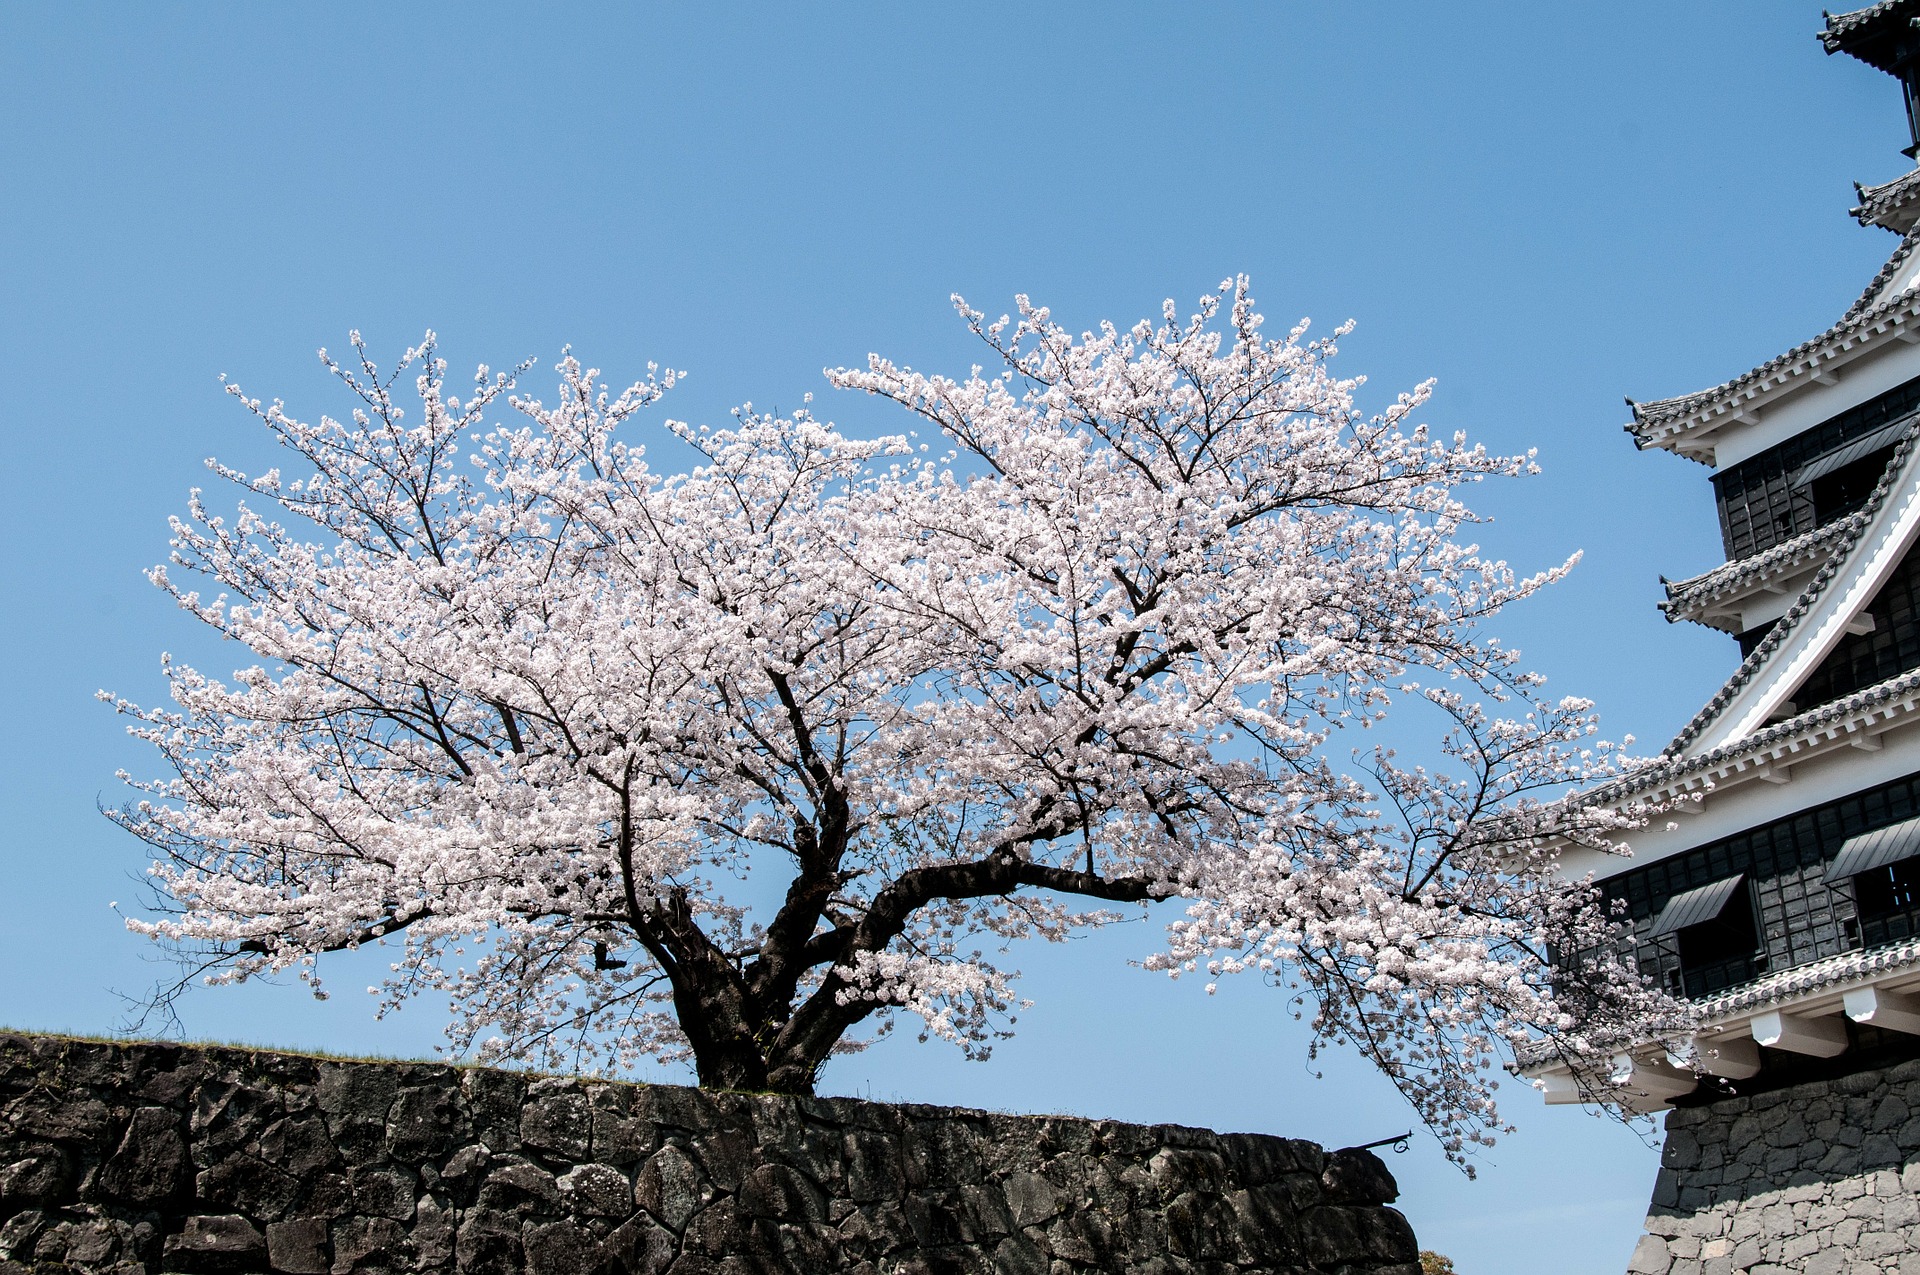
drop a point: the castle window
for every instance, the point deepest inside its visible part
(1801, 913)
(1711, 928)
(1883, 870)
(1841, 483)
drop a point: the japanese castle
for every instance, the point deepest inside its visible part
(1781, 894)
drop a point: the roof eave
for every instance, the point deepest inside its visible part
(1742, 400)
(1893, 205)
(1857, 721)
(1866, 33)
(1742, 579)
(1703, 613)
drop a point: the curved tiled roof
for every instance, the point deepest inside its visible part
(1899, 258)
(1856, 523)
(1864, 25)
(1770, 990)
(1839, 25)
(1688, 599)
(1894, 205)
(1670, 769)
(1814, 976)
(1663, 418)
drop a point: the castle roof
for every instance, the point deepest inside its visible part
(1703, 597)
(1831, 579)
(1874, 34)
(1781, 745)
(1685, 424)
(1894, 205)
(1843, 549)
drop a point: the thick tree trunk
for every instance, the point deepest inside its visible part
(733, 1070)
(732, 1061)
(725, 1050)
(737, 1048)
(747, 1033)
(794, 1076)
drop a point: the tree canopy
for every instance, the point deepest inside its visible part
(743, 764)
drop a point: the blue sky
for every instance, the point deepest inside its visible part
(1545, 207)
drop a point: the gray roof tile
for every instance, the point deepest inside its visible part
(1814, 976)
(1894, 205)
(1846, 32)
(1689, 599)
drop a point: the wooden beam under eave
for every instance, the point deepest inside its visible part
(1655, 1081)
(1734, 1057)
(1560, 1089)
(1872, 1007)
(1702, 452)
(1815, 1037)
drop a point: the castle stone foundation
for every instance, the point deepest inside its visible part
(1818, 1178)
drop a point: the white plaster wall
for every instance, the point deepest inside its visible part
(1874, 372)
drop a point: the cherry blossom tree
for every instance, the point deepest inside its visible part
(744, 764)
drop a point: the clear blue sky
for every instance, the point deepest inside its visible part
(1544, 206)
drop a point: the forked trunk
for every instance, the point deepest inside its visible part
(745, 1069)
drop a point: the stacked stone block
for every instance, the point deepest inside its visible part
(137, 1158)
(1821, 1178)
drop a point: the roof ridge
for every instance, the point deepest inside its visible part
(1776, 636)
(1874, 192)
(1840, 25)
(1885, 276)
(1811, 977)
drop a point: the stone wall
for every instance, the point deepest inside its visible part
(1819, 1178)
(134, 1157)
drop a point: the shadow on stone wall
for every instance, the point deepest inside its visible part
(1822, 1178)
(133, 1158)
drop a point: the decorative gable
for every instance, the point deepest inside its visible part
(1835, 604)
